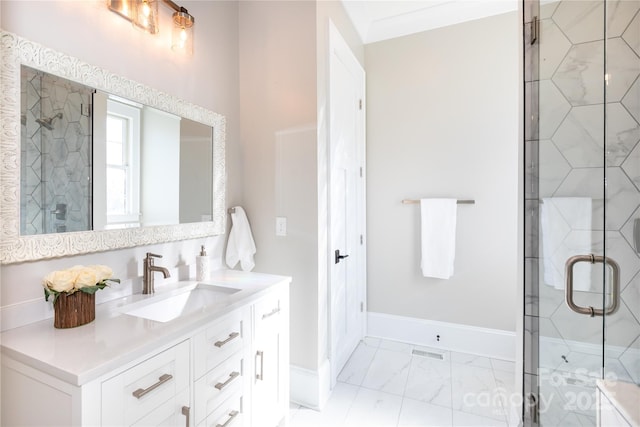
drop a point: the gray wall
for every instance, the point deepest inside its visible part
(442, 121)
(278, 93)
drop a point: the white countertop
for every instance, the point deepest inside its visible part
(79, 355)
(625, 397)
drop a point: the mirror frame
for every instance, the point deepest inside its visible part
(17, 51)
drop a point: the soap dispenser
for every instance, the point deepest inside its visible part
(202, 265)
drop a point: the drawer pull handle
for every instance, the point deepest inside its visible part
(232, 415)
(186, 411)
(142, 391)
(232, 336)
(274, 311)
(232, 376)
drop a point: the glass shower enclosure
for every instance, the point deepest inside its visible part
(582, 207)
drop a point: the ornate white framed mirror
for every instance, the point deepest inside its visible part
(58, 170)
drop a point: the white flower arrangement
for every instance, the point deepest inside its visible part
(78, 278)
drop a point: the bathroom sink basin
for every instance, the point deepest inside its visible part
(164, 308)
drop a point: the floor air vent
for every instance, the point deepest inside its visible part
(429, 354)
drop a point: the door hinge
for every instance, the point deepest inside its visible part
(361, 239)
(361, 171)
(360, 104)
(361, 307)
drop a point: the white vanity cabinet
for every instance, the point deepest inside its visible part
(229, 369)
(270, 397)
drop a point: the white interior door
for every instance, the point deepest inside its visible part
(346, 202)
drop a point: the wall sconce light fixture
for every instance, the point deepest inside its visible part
(182, 32)
(121, 7)
(143, 14)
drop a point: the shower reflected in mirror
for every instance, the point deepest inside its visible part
(48, 122)
(55, 158)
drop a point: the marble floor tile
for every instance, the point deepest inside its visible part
(429, 381)
(373, 408)
(396, 346)
(333, 414)
(372, 342)
(384, 385)
(388, 372)
(470, 360)
(420, 414)
(357, 365)
(464, 419)
(474, 390)
(503, 365)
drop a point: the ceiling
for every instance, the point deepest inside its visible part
(377, 20)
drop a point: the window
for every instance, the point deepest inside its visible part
(122, 158)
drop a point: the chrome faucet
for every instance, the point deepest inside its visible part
(148, 284)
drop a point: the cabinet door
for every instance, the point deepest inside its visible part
(271, 347)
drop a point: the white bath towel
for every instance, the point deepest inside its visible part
(438, 223)
(240, 246)
(565, 225)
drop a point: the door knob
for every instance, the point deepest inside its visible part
(338, 256)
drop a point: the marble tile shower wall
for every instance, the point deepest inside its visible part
(565, 144)
(55, 163)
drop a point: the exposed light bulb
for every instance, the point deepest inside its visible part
(146, 10)
(183, 35)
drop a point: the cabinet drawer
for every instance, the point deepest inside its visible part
(138, 391)
(216, 386)
(268, 313)
(228, 414)
(218, 342)
(174, 412)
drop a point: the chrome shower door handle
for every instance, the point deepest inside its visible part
(615, 285)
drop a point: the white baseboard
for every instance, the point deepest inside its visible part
(311, 388)
(487, 342)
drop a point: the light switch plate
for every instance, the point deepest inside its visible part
(281, 226)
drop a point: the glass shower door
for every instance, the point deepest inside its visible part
(582, 308)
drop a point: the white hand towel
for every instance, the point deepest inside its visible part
(438, 218)
(565, 224)
(240, 246)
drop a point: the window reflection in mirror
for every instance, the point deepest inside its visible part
(93, 161)
(122, 162)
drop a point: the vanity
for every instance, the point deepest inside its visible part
(221, 362)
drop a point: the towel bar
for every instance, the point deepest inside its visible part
(460, 202)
